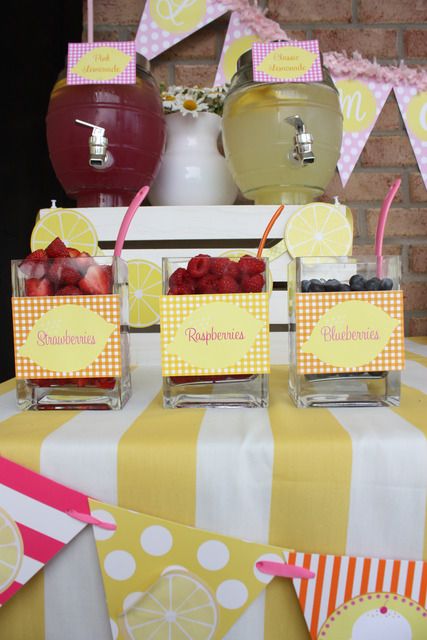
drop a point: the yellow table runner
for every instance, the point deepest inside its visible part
(329, 481)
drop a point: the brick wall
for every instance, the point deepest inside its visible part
(388, 29)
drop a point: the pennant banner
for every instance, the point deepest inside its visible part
(173, 580)
(362, 598)
(361, 104)
(165, 23)
(34, 524)
(413, 107)
(239, 38)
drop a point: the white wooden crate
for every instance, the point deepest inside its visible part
(158, 232)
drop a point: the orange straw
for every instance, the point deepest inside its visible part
(268, 229)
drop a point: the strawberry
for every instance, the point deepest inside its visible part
(36, 287)
(55, 270)
(73, 253)
(181, 277)
(199, 266)
(70, 275)
(97, 281)
(34, 265)
(227, 284)
(251, 266)
(57, 249)
(207, 284)
(253, 284)
(68, 290)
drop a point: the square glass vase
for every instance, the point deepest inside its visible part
(100, 393)
(340, 389)
(212, 391)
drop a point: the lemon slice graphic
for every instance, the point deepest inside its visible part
(177, 607)
(318, 230)
(74, 229)
(11, 550)
(145, 287)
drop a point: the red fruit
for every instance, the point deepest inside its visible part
(222, 266)
(97, 281)
(251, 266)
(69, 290)
(180, 278)
(104, 383)
(207, 284)
(227, 284)
(55, 270)
(73, 253)
(83, 262)
(63, 271)
(181, 290)
(57, 249)
(253, 284)
(35, 265)
(36, 287)
(70, 275)
(199, 266)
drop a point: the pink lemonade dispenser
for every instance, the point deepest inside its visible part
(106, 140)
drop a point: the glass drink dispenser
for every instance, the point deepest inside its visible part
(282, 140)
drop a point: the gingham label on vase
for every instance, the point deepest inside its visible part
(67, 336)
(349, 332)
(294, 61)
(101, 63)
(214, 334)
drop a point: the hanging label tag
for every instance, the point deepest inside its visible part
(294, 61)
(101, 63)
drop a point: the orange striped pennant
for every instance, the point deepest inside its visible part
(342, 579)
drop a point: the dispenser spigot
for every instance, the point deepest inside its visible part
(98, 144)
(302, 151)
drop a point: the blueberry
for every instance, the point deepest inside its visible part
(357, 283)
(316, 286)
(304, 285)
(386, 284)
(332, 285)
(373, 284)
(345, 287)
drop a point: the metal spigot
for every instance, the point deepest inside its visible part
(98, 143)
(303, 143)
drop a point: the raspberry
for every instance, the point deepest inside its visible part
(251, 266)
(199, 266)
(181, 278)
(253, 284)
(227, 284)
(181, 290)
(207, 284)
(224, 266)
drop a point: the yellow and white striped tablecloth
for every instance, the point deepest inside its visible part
(331, 481)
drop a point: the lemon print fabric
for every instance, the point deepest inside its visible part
(177, 607)
(318, 230)
(211, 577)
(74, 229)
(11, 550)
(145, 287)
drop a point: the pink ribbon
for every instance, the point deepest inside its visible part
(85, 517)
(283, 570)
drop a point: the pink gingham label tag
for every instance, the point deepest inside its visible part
(101, 63)
(293, 61)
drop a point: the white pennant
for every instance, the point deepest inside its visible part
(361, 103)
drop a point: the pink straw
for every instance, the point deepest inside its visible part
(132, 209)
(379, 235)
(90, 20)
(283, 570)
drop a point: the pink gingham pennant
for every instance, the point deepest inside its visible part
(122, 73)
(261, 50)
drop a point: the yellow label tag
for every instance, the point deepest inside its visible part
(350, 331)
(287, 62)
(102, 63)
(215, 334)
(67, 336)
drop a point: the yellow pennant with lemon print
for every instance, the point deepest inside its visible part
(165, 580)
